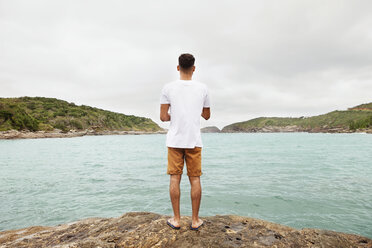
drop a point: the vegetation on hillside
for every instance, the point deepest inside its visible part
(365, 107)
(358, 117)
(40, 113)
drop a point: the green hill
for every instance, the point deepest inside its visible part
(46, 114)
(356, 118)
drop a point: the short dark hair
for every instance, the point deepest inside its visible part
(186, 61)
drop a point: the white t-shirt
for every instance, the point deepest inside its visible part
(187, 98)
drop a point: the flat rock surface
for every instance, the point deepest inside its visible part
(141, 229)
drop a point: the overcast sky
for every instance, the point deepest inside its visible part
(258, 58)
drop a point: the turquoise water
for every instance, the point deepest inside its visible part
(297, 179)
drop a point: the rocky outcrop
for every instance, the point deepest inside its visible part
(151, 230)
(14, 134)
(211, 129)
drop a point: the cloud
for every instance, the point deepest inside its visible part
(259, 58)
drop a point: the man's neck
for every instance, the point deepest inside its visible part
(185, 77)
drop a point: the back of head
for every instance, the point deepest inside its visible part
(186, 61)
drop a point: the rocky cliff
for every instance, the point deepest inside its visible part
(150, 230)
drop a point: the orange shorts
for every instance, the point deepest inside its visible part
(177, 156)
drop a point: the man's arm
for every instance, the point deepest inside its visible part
(164, 115)
(206, 114)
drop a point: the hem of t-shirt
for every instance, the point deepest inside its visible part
(183, 147)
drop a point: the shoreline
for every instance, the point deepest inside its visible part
(14, 134)
(346, 132)
(293, 129)
(145, 229)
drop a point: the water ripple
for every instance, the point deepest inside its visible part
(297, 179)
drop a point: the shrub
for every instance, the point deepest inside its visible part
(361, 124)
(77, 124)
(62, 125)
(31, 105)
(6, 115)
(45, 127)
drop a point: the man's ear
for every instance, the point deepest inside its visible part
(193, 68)
(178, 67)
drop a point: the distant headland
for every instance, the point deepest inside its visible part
(41, 117)
(355, 119)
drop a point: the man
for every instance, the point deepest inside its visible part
(187, 100)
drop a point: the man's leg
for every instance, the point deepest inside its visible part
(174, 192)
(196, 193)
(175, 167)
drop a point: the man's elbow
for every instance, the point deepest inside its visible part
(165, 118)
(206, 116)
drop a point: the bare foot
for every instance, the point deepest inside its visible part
(174, 222)
(197, 224)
